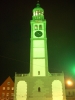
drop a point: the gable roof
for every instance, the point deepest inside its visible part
(8, 80)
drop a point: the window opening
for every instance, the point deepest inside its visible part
(8, 83)
(38, 72)
(7, 94)
(39, 89)
(3, 88)
(36, 27)
(8, 88)
(12, 94)
(12, 88)
(40, 27)
(3, 94)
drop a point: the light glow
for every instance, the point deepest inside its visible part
(69, 82)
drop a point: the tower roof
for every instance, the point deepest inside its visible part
(38, 8)
(38, 12)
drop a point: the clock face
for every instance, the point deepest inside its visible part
(38, 33)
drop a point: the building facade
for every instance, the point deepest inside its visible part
(7, 89)
(70, 88)
(70, 94)
(7, 93)
(39, 84)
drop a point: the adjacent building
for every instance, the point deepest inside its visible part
(70, 89)
(7, 89)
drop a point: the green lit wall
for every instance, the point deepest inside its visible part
(38, 42)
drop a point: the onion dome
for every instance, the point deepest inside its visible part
(38, 12)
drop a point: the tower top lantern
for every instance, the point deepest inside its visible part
(38, 12)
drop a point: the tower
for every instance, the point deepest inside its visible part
(39, 84)
(38, 49)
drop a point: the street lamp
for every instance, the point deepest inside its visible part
(69, 83)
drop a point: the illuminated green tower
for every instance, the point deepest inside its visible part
(38, 52)
(39, 84)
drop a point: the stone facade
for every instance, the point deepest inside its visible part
(40, 87)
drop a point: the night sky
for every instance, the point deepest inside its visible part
(15, 16)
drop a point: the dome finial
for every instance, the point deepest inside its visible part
(38, 5)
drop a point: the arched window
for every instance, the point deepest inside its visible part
(40, 27)
(37, 12)
(36, 27)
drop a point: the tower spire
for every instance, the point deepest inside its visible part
(38, 5)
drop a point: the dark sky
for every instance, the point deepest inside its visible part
(15, 16)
